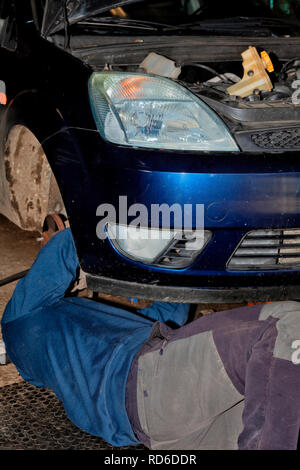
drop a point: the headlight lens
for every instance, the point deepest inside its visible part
(150, 111)
(159, 247)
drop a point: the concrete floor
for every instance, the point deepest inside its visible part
(18, 250)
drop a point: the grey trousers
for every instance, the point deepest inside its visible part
(230, 380)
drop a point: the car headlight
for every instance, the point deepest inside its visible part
(159, 247)
(150, 111)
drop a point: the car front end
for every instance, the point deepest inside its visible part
(182, 179)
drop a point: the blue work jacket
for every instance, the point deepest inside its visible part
(80, 349)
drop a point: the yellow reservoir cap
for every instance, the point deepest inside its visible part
(267, 61)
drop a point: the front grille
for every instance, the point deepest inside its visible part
(279, 139)
(267, 249)
(183, 251)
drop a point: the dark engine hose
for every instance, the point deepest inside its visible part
(209, 69)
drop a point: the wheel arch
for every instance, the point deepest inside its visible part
(29, 189)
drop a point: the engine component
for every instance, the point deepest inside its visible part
(160, 65)
(261, 112)
(255, 76)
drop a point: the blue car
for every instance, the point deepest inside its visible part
(168, 132)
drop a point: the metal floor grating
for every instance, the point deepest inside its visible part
(33, 418)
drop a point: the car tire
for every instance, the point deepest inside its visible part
(31, 190)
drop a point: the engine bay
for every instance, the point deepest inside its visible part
(255, 90)
(261, 108)
(262, 96)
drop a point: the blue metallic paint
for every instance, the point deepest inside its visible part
(269, 198)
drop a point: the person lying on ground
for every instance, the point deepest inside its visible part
(230, 380)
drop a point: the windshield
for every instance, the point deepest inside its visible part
(179, 11)
(170, 12)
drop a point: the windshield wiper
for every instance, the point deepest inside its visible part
(127, 23)
(235, 24)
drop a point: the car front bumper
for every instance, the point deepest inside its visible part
(239, 192)
(191, 295)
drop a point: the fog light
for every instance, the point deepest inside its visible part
(142, 244)
(159, 247)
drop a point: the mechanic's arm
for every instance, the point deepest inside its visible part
(47, 280)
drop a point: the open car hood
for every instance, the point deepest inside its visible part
(77, 10)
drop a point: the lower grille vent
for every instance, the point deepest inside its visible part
(267, 249)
